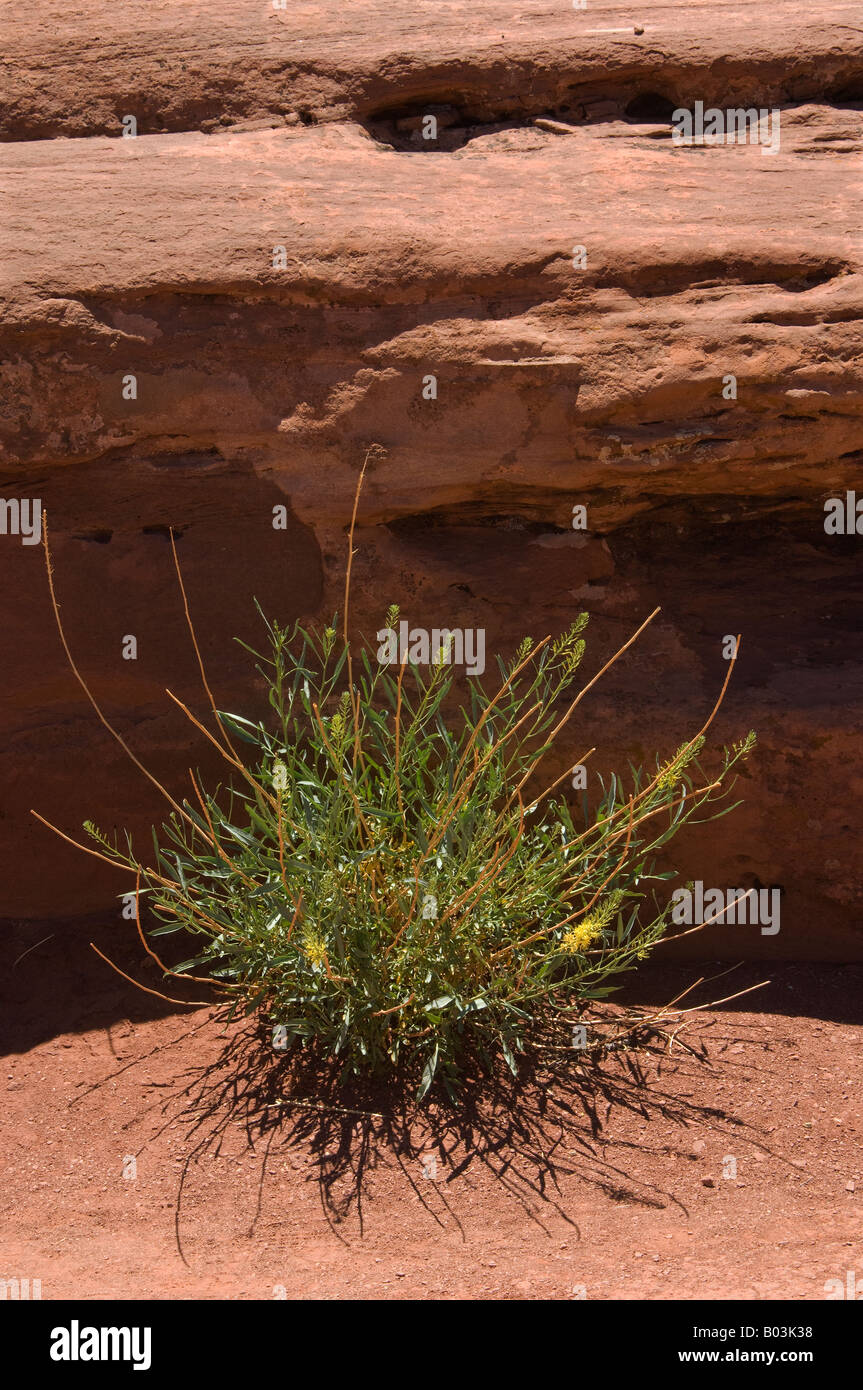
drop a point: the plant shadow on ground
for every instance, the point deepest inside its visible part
(528, 1134)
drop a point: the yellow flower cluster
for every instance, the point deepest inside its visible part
(314, 948)
(590, 928)
(580, 937)
(339, 721)
(671, 773)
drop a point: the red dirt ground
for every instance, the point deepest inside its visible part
(610, 1182)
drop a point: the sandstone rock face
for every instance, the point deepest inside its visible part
(526, 318)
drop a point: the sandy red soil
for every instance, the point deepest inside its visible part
(611, 1181)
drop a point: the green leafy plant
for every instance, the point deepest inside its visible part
(378, 878)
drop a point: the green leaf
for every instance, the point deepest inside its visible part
(243, 728)
(428, 1073)
(242, 836)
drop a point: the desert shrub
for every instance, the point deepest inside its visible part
(378, 876)
(376, 882)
